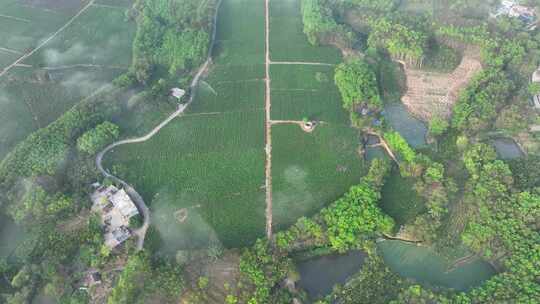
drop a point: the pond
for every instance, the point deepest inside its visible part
(399, 199)
(412, 129)
(507, 148)
(425, 266)
(11, 236)
(319, 275)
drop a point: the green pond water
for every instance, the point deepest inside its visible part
(426, 267)
(11, 236)
(399, 199)
(507, 148)
(319, 275)
(413, 130)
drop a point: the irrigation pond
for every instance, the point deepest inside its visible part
(426, 267)
(319, 275)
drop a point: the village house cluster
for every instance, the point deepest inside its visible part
(116, 209)
(512, 9)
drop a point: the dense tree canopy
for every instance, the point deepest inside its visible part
(357, 84)
(92, 141)
(172, 34)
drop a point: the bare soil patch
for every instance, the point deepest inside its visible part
(432, 93)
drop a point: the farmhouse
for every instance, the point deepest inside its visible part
(116, 209)
(177, 93)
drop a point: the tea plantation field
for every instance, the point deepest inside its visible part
(210, 162)
(311, 170)
(51, 81)
(287, 39)
(306, 91)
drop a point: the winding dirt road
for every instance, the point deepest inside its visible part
(137, 198)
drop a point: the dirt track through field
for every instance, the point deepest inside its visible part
(300, 63)
(23, 57)
(268, 148)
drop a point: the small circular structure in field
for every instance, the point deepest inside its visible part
(308, 126)
(181, 215)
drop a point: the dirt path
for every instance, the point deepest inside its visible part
(42, 44)
(300, 63)
(83, 65)
(137, 199)
(15, 18)
(10, 51)
(268, 148)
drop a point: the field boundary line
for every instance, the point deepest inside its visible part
(23, 57)
(15, 18)
(268, 125)
(300, 63)
(12, 51)
(137, 198)
(84, 65)
(109, 6)
(224, 112)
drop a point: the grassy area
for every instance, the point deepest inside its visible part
(300, 91)
(311, 170)
(287, 39)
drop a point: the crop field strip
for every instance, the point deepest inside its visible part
(73, 71)
(210, 160)
(288, 41)
(309, 170)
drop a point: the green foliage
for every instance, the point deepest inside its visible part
(401, 41)
(400, 146)
(318, 20)
(438, 125)
(140, 279)
(480, 102)
(374, 284)
(37, 206)
(357, 84)
(94, 140)
(354, 216)
(378, 5)
(263, 270)
(173, 34)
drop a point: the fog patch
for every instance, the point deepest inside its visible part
(54, 57)
(84, 82)
(296, 199)
(180, 224)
